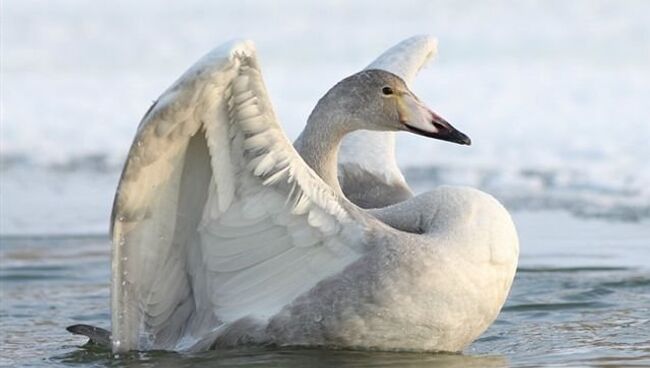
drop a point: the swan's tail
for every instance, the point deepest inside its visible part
(97, 335)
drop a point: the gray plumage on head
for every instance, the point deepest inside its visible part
(360, 99)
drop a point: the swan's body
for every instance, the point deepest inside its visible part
(225, 234)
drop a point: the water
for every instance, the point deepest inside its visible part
(581, 297)
(553, 94)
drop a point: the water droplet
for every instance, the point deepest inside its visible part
(123, 283)
(124, 259)
(120, 219)
(318, 318)
(139, 143)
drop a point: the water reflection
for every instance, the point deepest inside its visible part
(259, 357)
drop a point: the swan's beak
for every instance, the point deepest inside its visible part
(419, 119)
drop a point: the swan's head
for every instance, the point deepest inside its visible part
(379, 100)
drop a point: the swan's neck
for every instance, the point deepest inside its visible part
(319, 143)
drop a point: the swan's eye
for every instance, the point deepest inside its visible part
(387, 91)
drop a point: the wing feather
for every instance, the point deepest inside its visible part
(217, 217)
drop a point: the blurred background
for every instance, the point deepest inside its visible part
(554, 94)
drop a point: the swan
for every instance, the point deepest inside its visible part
(226, 234)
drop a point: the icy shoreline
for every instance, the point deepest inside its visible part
(76, 199)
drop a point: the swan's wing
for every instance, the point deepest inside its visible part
(407, 57)
(216, 216)
(369, 174)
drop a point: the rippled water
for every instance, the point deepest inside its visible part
(581, 297)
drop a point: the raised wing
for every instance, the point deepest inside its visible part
(216, 216)
(368, 172)
(407, 57)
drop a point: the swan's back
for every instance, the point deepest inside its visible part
(435, 291)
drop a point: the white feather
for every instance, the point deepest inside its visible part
(196, 253)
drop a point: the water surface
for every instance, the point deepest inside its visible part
(561, 311)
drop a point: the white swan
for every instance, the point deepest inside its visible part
(225, 234)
